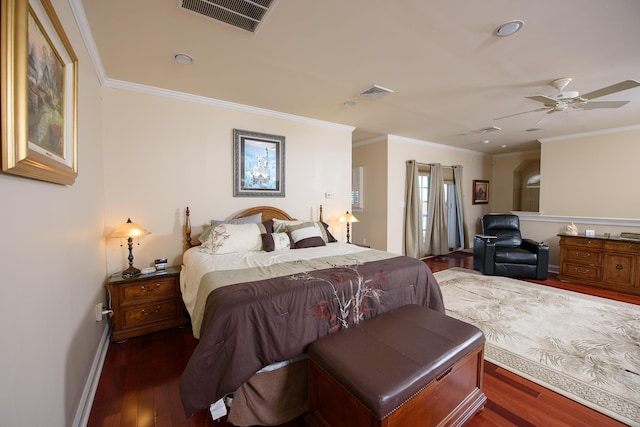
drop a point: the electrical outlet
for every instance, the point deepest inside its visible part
(99, 312)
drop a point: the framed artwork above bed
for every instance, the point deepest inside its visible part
(258, 164)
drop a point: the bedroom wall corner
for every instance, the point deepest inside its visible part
(53, 258)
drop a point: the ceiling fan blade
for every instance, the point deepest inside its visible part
(544, 99)
(618, 87)
(602, 104)
(546, 115)
(524, 112)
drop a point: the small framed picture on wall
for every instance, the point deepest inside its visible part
(480, 192)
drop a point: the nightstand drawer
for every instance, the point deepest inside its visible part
(149, 313)
(157, 288)
(146, 303)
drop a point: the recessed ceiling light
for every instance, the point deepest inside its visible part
(183, 58)
(503, 146)
(509, 28)
(488, 129)
(486, 141)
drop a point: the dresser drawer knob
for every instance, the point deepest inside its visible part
(619, 267)
(144, 288)
(148, 312)
(582, 255)
(581, 270)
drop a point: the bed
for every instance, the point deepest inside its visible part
(260, 288)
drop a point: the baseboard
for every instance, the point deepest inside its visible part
(89, 392)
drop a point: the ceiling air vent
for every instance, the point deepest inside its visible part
(375, 92)
(243, 14)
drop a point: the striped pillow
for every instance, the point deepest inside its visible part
(306, 235)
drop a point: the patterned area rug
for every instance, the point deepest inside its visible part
(583, 347)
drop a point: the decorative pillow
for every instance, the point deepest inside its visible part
(268, 225)
(328, 235)
(276, 242)
(280, 225)
(229, 238)
(306, 235)
(251, 219)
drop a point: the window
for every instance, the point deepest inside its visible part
(357, 179)
(424, 180)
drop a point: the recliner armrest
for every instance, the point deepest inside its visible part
(484, 254)
(533, 246)
(542, 251)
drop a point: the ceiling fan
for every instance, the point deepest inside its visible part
(564, 100)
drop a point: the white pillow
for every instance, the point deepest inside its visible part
(280, 225)
(229, 238)
(251, 219)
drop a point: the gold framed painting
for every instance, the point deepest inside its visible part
(39, 94)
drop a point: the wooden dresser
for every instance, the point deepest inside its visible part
(146, 303)
(607, 262)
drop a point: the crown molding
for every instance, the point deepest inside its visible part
(588, 134)
(85, 32)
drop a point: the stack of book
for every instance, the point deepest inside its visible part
(630, 235)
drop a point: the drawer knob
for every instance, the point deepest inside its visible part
(148, 312)
(582, 255)
(581, 270)
(619, 267)
(144, 288)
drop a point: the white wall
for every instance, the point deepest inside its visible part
(162, 154)
(372, 228)
(53, 264)
(589, 180)
(592, 175)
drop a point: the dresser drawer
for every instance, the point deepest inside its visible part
(581, 255)
(146, 314)
(582, 242)
(158, 288)
(622, 246)
(581, 271)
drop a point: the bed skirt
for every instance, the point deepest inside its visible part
(271, 398)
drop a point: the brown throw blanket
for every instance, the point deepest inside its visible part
(250, 325)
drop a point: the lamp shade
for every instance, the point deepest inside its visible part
(348, 218)
(129, 229)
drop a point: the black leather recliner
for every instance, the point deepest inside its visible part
(501, 250)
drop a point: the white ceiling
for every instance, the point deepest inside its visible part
(450, 74)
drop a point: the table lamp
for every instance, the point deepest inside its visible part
(348, 218)
(129, 230)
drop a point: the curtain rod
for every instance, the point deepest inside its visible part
(432, 164)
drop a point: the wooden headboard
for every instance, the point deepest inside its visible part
(268, 212)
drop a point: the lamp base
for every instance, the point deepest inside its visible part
(131, 271)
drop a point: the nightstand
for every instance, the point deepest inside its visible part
(146, 303)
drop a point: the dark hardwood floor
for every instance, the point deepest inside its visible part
(139, 382)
